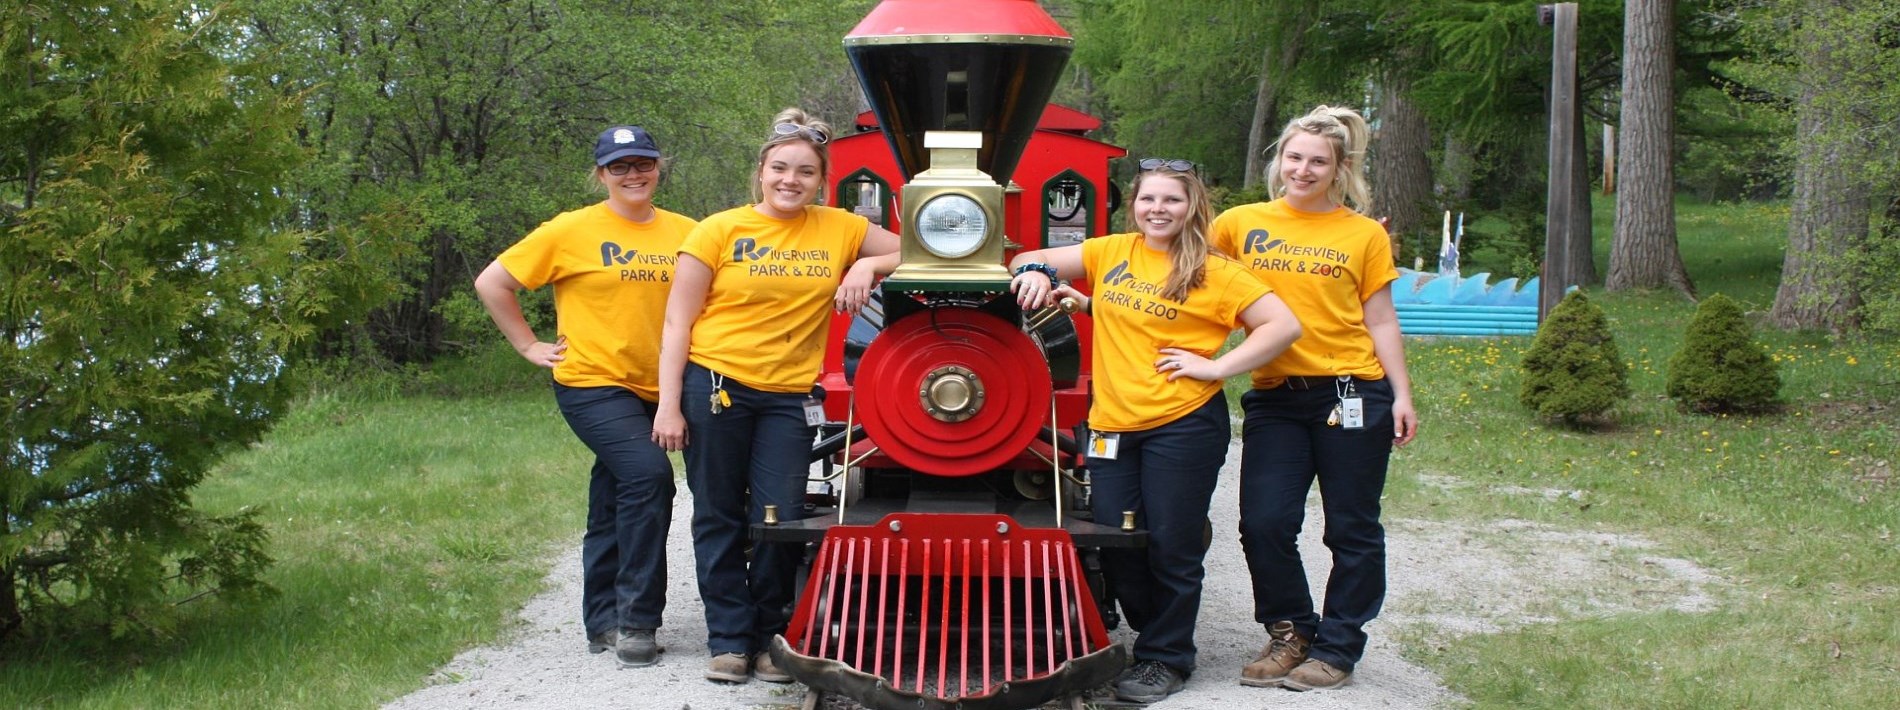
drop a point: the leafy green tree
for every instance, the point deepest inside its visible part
(153, 314)
(459, 126)
(1721, 367)
(1574, 370)
(1838, 60)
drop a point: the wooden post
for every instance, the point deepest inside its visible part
(1559, 202)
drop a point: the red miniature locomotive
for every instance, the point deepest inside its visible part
(954, 562)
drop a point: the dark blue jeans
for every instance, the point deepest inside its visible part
(1286, 445)
(755, 453)
(629, 508)
(1167, 476)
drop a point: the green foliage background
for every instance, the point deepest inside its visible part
(154, 310)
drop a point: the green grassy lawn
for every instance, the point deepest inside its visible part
(413, 513)
(1796, 512)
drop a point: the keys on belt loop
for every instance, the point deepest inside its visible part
(719, 400)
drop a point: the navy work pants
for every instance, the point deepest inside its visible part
(1166, 475)
(1286, 446)
(629, 508)
(755, 453)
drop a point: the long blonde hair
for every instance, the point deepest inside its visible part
(1190, 250)
(795, 116)
(1346, 131)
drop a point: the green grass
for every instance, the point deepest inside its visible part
(408, 522)
(1796, 512)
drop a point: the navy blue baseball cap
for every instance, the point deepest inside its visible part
(623, 142)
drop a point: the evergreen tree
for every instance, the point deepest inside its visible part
(1721, 368)
(1574, 370)
(151, 313)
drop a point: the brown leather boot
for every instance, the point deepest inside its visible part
(1285, 650)
(1316, 674)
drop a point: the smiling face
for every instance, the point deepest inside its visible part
(789, 179)
(1161, 207)
(634, 188)
(1308, 168)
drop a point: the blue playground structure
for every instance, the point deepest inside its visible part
(1449, 304)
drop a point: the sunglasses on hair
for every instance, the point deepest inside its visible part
(638, 166)
(812, 134)
(1175, 164)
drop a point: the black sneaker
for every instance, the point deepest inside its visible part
(638, 649)
(1148, 682)
(600, 642)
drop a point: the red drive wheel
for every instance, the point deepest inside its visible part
(954, 392)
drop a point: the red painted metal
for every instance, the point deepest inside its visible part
(1006, 361)
(992, 17)
(1036, 575)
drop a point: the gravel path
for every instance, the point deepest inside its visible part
(1447, 579)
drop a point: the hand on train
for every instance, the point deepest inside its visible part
(855, 290)
(1033, 290)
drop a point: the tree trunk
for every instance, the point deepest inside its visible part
(1275, 63)
(1644, 253)
(1401, 173)
(1582, 258)
(1831, 211)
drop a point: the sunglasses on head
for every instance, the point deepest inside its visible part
(639, 166)
(1175, 164)
(812, 134)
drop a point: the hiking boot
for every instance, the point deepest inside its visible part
(638, 649)
(764, 669)
(729, 668)
(600, 642)
(1285, 650)
(1316, 674)
(1148, 682)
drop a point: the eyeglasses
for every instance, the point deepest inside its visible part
(1175, 164)
(812, 134)
(638, 166)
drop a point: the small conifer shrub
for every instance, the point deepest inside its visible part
(1721, 368)
(1574, 370)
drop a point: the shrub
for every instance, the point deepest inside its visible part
(1720, 367)
(1573, 369)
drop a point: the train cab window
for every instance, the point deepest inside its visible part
(1068, 209)
(864, 193)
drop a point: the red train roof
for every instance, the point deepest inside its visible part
(1055, 117)
(993, 17)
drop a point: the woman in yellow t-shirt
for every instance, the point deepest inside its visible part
(1164, 305)
(744, 341)
(1330, 409)
(611, 266)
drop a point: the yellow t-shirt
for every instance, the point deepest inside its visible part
(773, 281)
(1133, 322)
(610, 277)
(1325, 266)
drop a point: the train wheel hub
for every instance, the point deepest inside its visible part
(952, 394)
